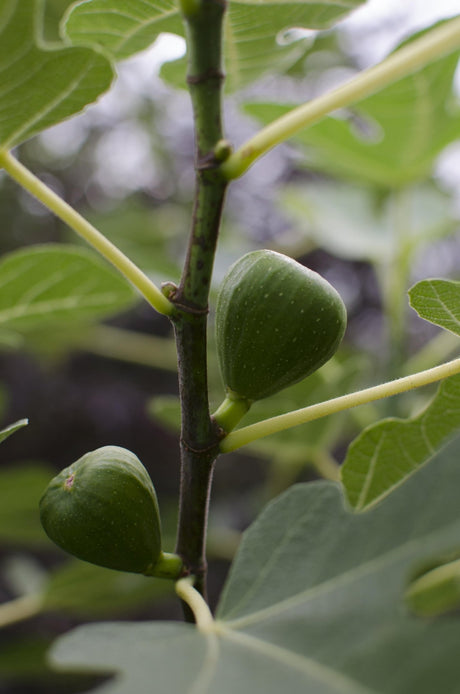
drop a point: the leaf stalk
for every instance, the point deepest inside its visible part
(87, 231)
(434, 45)
(245, 435)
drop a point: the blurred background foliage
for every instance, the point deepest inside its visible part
(370, 198)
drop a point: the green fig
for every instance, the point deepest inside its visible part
(277, 321)
(103, 509)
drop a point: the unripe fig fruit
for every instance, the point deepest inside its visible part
(103, 509)
(276, 322)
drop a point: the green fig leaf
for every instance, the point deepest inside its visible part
(20, 491)
(389, 139)
(42, 83)
(436, 591)
(82, 589)
(50, 284)
(251, 48)
(438, 301)
(351, 223)
(154, 238)
(387, 453)
(314, 604)
(53, 14)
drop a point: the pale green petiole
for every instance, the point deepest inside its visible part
(198, 605)
(253, 432)
(168, 566)
(17, 610)
(435, 44)
(108, 250)
(230, 411)
(435, 592)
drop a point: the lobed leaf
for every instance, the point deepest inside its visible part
(54, 283)
(385, 454)
(124, 27)
(389, 139)
(314, 604)
(42, 84)
(438, 301)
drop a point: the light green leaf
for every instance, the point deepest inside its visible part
(389, 139)
(385, 454)
(314, 604)
(166, 410)
(20, 490)
(124, 27)
(351, 223)
(153, 239)
(7, 431)
(54, 10)
(42, 84)
(436, 591)
(438, 301)
(53, 283)
(79, 588)
(10, 340)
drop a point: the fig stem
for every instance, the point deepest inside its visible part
(187, 592)
(265, 427)
(168, 566)
(88, 232)
(203, 20)
(230, 412)
(435, 44)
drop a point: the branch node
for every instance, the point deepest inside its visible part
(199, 451)
(211, 74)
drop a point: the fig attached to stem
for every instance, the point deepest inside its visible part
(277, 322)
(103, 509)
